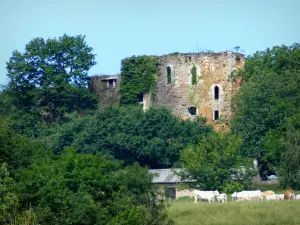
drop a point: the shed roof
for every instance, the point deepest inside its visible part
(165, 175)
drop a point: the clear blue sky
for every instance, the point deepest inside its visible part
(121, 28)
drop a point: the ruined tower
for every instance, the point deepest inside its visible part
(198, 84)
(188, 84)
(107, 88)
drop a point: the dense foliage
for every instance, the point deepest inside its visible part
(49, 79)
(266, 101)
(289, 145)
(138, 75)
(153, 138)
(215, 164)
(73, 188)
(88, 189)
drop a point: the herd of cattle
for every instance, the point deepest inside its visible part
(215, 196)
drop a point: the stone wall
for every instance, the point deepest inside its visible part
(212, 72)
(107, 88)
(177, 90)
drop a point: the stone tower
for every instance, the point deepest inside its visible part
(198, 84)
(107, 87)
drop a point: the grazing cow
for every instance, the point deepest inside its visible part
(270, 197)
(246, 195)
(222, 198)
(264, 193)
(209, 196)
(280, 197)
(289, 194)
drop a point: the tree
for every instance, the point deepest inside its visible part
(90, 189)
(50, 78)
(290, 158)
(153, 138)
(8, 199)
(17, 151)
(139, 74)
(268, 96)
(215, 163)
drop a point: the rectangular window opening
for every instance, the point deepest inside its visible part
(169, 75)
(193, 111)
(216, 115)
(140, 98)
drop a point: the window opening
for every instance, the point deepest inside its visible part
(216, 92)
(111, 84)
(216, 115)
(140, 98)
(193, 111)
(169, 77)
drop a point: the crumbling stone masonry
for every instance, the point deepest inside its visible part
(107, 88)
(198, 84)
(188, 84)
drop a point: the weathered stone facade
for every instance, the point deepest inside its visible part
(188, 84)
(208, 94)
(107, 88)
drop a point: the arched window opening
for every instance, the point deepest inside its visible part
(194, 75)
(216, 115)
(169, 75)
(216, 92)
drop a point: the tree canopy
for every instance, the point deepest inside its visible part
(72, 188)
(153, 138)
(214, 163)
(50, 77)
(268, 97)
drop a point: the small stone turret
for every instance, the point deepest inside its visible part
(107, 88)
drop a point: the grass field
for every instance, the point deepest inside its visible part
(283, 212)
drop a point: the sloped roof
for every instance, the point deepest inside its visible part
(165, 175)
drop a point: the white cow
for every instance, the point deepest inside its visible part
(270, 197)
(222, 198)
(297, 197)
(246, 195)
(209, 196)
(280, 196)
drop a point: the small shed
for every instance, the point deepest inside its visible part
(168, 178)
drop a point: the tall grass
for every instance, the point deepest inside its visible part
(236, 213)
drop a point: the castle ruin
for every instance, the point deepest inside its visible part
(188, 84)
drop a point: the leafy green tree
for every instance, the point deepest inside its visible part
(290, 158)
(138, 75)
(50, 78)
(8, 199)
(153, 138)
(215, 163)
(90, 189)
(16, 150)
(268, 96)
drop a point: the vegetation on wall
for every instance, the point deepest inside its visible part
(194, 75)
(139, 74)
